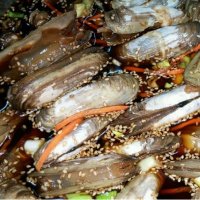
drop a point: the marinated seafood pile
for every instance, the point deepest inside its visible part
(100, 99)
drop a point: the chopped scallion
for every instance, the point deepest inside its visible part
(186, 60)
(78, 196)
(117, 133)
(168, 85)
(163, 64)
(107, 196)
(182, 65)
(15, 14)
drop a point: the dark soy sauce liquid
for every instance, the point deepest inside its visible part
(174, 184)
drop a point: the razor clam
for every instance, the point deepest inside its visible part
(158, 111)
(192, 8)
(51, 49)
(147, 146)
(115, 90)
(83, 174)
(192, 71)
(173, 41)
(38, 18)
(83, 132)
(137, 19)
(69, 156)
(11, 189)
(143, 186)
(188, 168)
(147, 3)
(47, 84)
(55, 25)
(113, 39)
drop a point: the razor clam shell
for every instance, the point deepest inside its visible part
(151, 145)
(114, 39)
(70, 155)
(82, 133)
(46, 85)
(11, 189)
(58, 23)
(52, 48)
(147, 3)
(192, 8)
(143, 186)
(180, 112)
(173, 41)
(38, 18)
(184, 168)
(192, 71)
(159, 110)
(111, 91)
(83, 174)
(139, 18)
